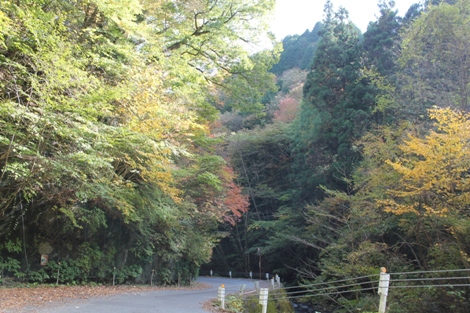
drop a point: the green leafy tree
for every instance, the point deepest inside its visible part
(243, 91)
(105, 115)
(433, 63)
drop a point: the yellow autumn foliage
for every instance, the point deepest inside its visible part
(434, 169)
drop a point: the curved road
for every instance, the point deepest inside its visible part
(168, 301)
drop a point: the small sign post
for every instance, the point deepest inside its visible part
(44, 259)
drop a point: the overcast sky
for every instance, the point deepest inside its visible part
(295, 16)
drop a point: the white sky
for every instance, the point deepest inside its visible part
(295, 16)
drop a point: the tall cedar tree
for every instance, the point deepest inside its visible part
(381, 38)
(336, 107)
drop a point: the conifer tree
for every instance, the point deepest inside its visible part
(336, 105)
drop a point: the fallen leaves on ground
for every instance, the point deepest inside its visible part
(19, 299)
(214, 306)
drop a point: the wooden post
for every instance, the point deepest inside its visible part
(58, 273)
(263, 299)
(383, 289)
(151, 278)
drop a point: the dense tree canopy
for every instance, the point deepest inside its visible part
(136, 134)
(298, 50)
(337, 104)
(105, 153)
(374, 168)
(434, 70)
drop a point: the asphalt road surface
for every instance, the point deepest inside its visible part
(168, 301)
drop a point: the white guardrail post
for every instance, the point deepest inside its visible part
(263, 299)
(242, 288)
(383, 289)
(278, 281)
(221, 294)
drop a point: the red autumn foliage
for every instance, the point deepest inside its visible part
(235, 201)
(287, 110)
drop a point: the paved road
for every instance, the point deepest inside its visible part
(168, 301)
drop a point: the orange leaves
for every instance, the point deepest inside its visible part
(236, 202)
(210, 186)
(233, 202)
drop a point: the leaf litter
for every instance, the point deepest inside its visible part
(29, 299)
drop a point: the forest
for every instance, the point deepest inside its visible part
(163, 136)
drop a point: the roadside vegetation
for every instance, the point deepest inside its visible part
(145, 142)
